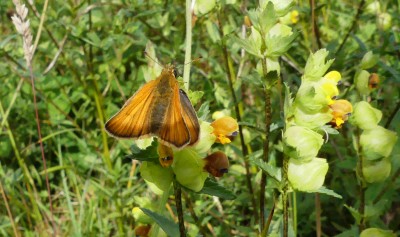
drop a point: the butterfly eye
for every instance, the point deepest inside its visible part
(175, 72)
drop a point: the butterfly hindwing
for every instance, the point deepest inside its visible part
(174, 130)
(190, 117)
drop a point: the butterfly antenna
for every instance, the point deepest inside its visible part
(194, 60)
(152, 59)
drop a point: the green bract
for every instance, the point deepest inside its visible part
(376, 171)
(156, 174)
(302, 143)
(312, 120)
(365, 116)
(369, 60)
(384, 21)
(281, 7)
(203, 6)
(361, 80)
(206, 139)
(311, 98)
(188, 169)
(307, 177)
(316, 66)
(375, 232)
(377, 142)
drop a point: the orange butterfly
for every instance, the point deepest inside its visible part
(159, 109)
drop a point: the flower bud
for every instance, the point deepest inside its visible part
(302, 143)
(373, 8)
(154, 173)
(365, 116)
(361, 79)
(376, 171)
(377, 142)
(384, 21)
(369, 60)
(142, 230)
(341, 110)
(165, 154)
(188, 168)
(224, 128)
(307, 177)
(217, 164)
(373, 81)
(375, 232)
(247, 21)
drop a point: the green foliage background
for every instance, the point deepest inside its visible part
(99, 62)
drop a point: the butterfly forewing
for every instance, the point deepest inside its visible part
(132, 120)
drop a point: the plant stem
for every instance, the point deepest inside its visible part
(42, 148)
(10, 216)
(178, 203)
(315, 29)
(284, 196)
(269, 220)
(188, 44)
(359, 10)
(189, 203)
(360, 162)
(231, 77)
(392, 115)
(387, 187)
(267, 121)
(318, 215)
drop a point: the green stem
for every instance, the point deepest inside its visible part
(188, 44)
(76, 227)
(353, 25)
(294, 213)
(29, 183)
(362, 182)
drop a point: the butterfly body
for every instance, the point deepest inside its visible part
(161, 109)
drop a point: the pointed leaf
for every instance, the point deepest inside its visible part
(168, 226)
(329, 192)
(214, 189)
(271, 171)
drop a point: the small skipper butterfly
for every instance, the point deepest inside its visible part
(159, 108)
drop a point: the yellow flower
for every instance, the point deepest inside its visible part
(341, 110)
(224, 129)
(294, 16)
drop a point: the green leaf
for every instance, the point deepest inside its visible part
(271, 171)
(204, 111)
(357, 216)
(169, 227)
(149, 154)
(250, 46)
(214, 189)
(329, 192)
(278, 45)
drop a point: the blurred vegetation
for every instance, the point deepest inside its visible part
(89, 60)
